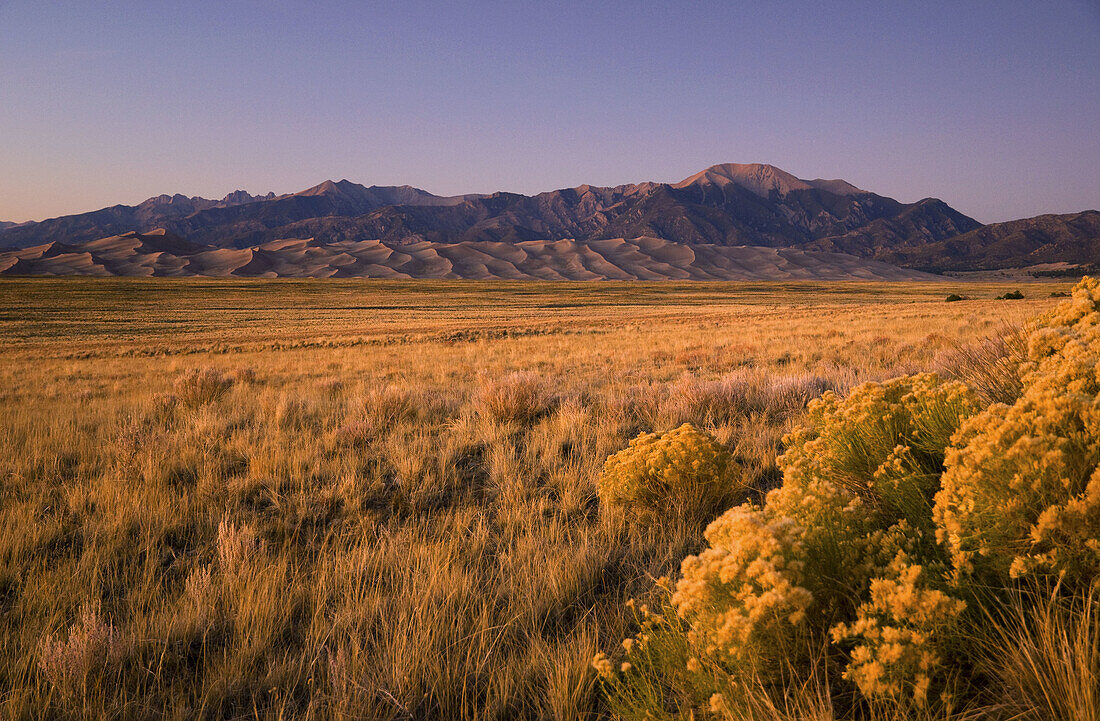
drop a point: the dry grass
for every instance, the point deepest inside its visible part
(1044, 653)
(377, 500)
(990, 365)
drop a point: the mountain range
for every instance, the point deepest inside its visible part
(712, 216)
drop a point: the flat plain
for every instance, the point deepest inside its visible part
(377, 499)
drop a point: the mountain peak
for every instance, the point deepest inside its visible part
(165, 199)
(327, 186)
(763, 179)
(330, 187)
(836, 186)
(240, 197)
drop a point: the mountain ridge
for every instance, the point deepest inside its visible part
(1072, 238)
(763, 179)
(729, 204)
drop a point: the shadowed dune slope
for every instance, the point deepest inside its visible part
(162, 254)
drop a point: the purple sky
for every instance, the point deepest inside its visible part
(993, 106)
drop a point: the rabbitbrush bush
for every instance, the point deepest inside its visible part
(684, 472)
(841, 547)
(904, 507)
(854, 508)
(1021, 495)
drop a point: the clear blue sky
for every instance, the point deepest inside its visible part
(993, 106)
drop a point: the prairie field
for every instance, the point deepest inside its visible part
(381, 499)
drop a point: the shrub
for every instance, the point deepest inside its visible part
(744, 595)
(884, 444)
(842, 551)
(200, 386)
(954, 297)
(897, 630)
(685, 472)
(1021, 493)
(1011, 295)
(659, 670)
(909, 512)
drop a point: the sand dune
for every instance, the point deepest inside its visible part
(644, 258)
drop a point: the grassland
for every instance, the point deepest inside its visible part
(379, 498)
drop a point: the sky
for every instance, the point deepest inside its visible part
(992, 106)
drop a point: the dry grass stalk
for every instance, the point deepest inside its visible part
(991, 365)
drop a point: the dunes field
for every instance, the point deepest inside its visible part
(160, 254)
(353, 499)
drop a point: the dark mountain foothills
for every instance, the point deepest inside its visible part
(724, 206)
(1067, 239)
(221, 222)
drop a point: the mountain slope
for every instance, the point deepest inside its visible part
(216, 220)
(924, 222)
(731, 204)
(1072, 238)
(147, 215)
(724, 205)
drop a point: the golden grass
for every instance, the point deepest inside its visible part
(1044, 650)
(364, 499)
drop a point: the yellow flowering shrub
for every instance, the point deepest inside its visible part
(1021, 493)
(685, 472)
(884, 443)
(857, 493)
(657, 658)
(898, 634)
(859, 478)
(744, 594)
(897, 502)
